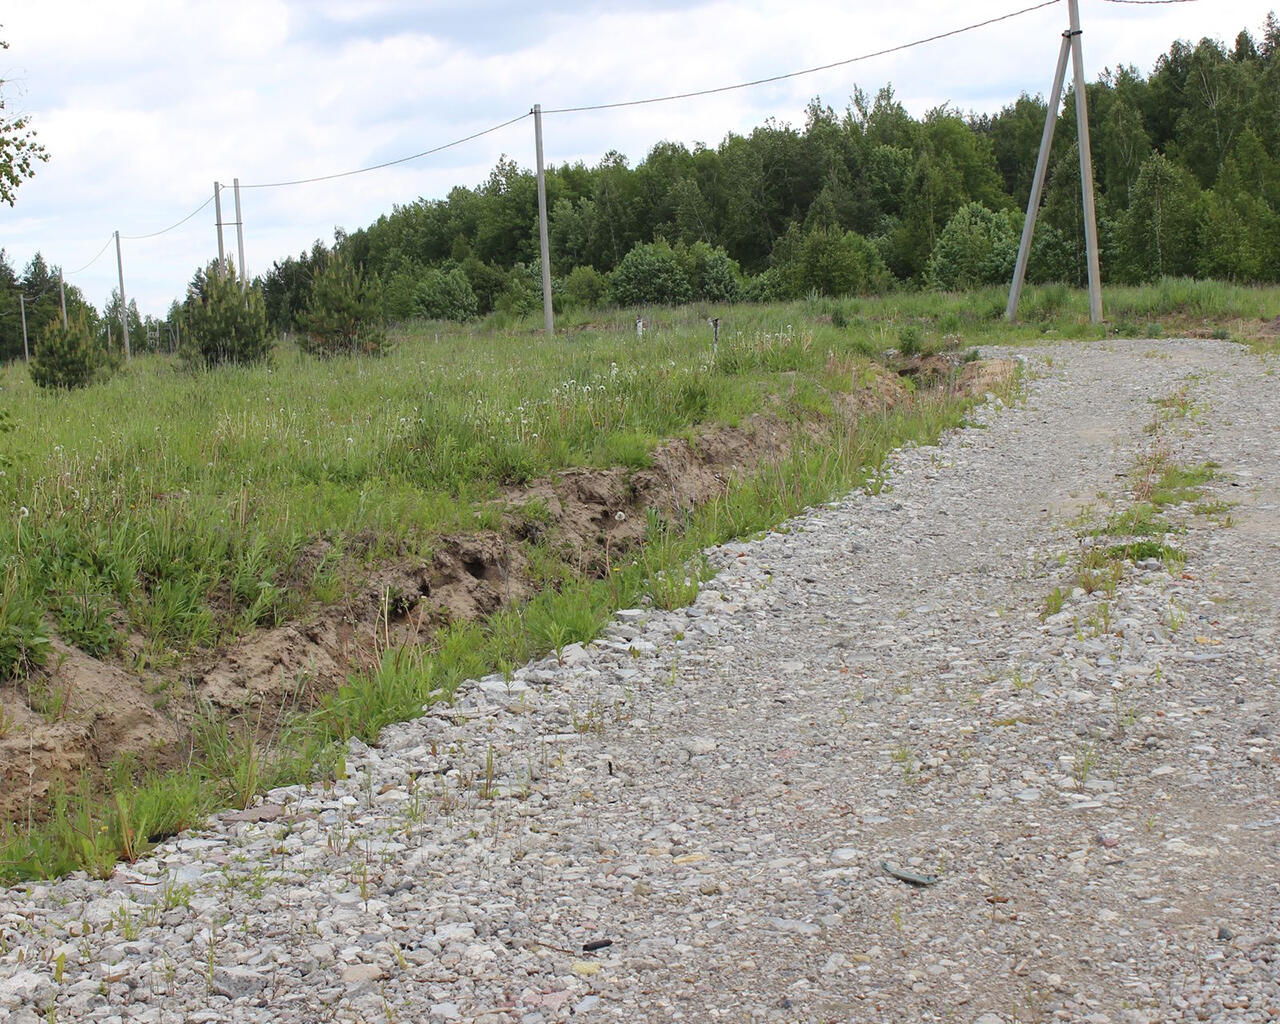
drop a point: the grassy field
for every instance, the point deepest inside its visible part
(165, 512)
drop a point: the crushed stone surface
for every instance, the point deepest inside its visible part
(873, 773)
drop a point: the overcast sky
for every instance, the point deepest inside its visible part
(143, 104)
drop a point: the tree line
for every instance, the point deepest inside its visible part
(1186, 160)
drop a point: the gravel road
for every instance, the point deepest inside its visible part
(691, 819)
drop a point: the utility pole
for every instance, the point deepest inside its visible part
(1086, 168)
(62, 295)
(217, 216)
(124, 307)
(244, 281)
(1037, 186)
(1070, 46)
(22, 306)
(548, 315)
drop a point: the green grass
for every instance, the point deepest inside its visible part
(183, 504)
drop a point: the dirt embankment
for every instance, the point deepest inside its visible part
(81, 713)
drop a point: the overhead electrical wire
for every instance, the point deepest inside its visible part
(806, 71)
(163, 231)
(109, 240)
(391, 163)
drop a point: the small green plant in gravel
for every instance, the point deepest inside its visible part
(1086, 760)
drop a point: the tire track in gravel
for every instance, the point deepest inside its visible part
(715, 789)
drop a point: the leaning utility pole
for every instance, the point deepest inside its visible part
(124, 307)
(244, 282)
(62, 296)
(217, 216)
(548, 315)
(1070, 45)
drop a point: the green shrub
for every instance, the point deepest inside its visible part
(227, 324)
(1157, 235)
(522, 292)
(650, 274)
(344, 316)
(977, 247)
(68, 357)
(399, 293)
(763, 287)
(827, 261)
(585, 288)
(713, 275)
(445, 295)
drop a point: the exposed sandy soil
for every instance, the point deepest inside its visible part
(110, 709)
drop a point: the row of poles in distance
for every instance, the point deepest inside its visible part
(62, 298)
(1071, 48)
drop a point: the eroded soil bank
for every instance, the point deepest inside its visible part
(82, 714)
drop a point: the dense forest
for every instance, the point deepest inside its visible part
(1187, 162)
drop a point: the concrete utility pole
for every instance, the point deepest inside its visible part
(244, 281)
(1037, 186)
(62, 295)
(1086, 168)
(217, 216)
(22, 306)
(1070, 45)
(124, 306)
(548, 315)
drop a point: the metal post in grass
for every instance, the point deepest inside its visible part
(124, 306)
(217, 219)
(22, 306)
(1037, 186)
(244, 281)
(715, 337)
(1086, 167)
(548, 315)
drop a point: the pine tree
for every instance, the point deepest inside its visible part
(225, 323)
(344, 316)
(67, 357)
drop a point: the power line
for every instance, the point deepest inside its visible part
(392, 163)
(110, 239)
(806, 71)
(162, 231)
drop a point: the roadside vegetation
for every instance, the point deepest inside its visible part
(167, 510)
(274, 445)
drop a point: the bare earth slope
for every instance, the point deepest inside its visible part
(715, 790)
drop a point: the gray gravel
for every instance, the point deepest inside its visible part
(715, 791)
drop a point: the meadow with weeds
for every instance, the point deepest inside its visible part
(164, 512)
